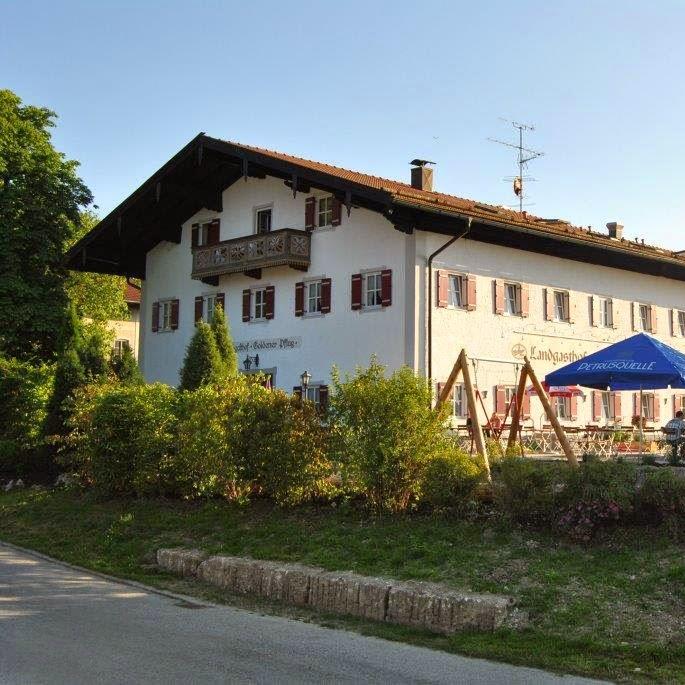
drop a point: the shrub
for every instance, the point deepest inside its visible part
(224, 343)
(450, 479)
(125, 367)
(661, 499)
(125, 437)
(528, 491)
(69, 375)
(25, 391)
(239, 439)
(202, 364)
(385, 433)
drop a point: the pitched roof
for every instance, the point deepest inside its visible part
(432, 200)
(131, 293)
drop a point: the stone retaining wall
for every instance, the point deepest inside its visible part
(423, 605)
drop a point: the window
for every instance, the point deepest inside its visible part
(648, 406)
(325, 211)
(456, 296)
(606, 313)
(120, 345)
(560, 305)
(312, 299)
(562, 407)
(210, 304)
(203, 235)
(645, 317)
(165, 315)
(459, 408)
(512, 299)
(258, 304)
(681, 324)
(263, 220)
(607, 407)
(371, 290)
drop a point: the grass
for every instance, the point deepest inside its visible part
(613, 610)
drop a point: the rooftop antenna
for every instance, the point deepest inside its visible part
(524, 156)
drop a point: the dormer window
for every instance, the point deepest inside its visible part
(205, 234)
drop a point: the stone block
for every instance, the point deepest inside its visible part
(184, 562)
(219, 571)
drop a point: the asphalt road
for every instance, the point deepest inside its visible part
(60, 625)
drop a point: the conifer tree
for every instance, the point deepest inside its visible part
(224, 342)
(125, 367)
(202, 364)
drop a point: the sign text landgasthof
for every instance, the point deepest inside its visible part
(262, 344)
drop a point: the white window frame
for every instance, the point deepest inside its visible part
(458, 402)
(607, 405)
(378, 288)
(560, 313)
(646, 320)
(316, 284)
(207, 310)
(647, 406)
(164, 323)
(680, 322)
(606, 312)
(257, 212)
(512, 306)
(119, 345)
(456, 296)
(324, 211)
(562, 408)
(258, 309)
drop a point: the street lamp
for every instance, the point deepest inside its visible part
(304, 380)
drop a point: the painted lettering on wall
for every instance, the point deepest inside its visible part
(262, 344)
(555, 356)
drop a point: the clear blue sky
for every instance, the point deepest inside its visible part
(371, 85)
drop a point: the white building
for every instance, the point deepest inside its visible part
(316, 265)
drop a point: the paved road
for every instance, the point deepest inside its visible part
(60, 625)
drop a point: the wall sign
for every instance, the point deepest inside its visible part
(266, 344)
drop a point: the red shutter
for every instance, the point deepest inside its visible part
(309, 213)
(500, 401)
(386, 287)
(618, 412)
(499, 297)
(270, 298)
(672, 320)
(155, 317)
(635, 312)
(470, 293)
(194, 235)
(213, 232)
(220, 301)
(549, 304)
(246, 304)
(443, 287)
(323, 397)
(525, 406)
(574, 408)
(596, 405)
(174, 314)
(656, 406)
(337, 212)
(652, 314)
(199, 306)
(525, 299)
(325, 296)
(356, 291)
(299, 299)
(636, 403)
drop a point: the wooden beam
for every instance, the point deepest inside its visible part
(210, 280)
(516, 416)
(451, 380)
(253, 273)
(477, 429)
(558, 430)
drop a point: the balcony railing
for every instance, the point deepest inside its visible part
(284, 247)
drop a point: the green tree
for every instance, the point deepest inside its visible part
(41, 198)
(97, 297)
(125, 367)
(202, 364)
(224, 342)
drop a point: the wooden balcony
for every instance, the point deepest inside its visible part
(250, 254)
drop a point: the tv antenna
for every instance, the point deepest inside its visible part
(524, 156)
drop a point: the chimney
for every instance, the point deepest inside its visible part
(615, 230)
(421, 174)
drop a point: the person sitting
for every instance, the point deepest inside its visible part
(674, 430)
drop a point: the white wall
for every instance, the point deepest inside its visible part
(347, 338)
(486, 334)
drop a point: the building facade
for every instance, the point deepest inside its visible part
(127, 331)
(318, 266)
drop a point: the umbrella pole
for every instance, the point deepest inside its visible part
(639, 414)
